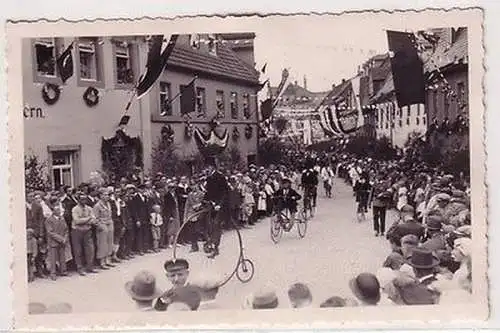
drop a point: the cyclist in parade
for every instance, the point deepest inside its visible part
(286, 198)
(309, 182)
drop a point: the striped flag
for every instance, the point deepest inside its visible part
(65, 63)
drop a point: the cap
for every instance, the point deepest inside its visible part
(175, 265)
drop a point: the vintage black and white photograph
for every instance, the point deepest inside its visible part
(302, 167)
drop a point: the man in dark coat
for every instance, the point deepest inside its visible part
(217, 192)
(287, 197)
(181, 192)
(138, 209)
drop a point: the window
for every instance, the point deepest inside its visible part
(408, 111)
(400, 123)
(461, 92)
(246, 106)
(408, 121)
(201, 106)
(424, 120)
(418, 121)
(62, 169)
(123, 61)
(45, 53)
(165, 97)
(88, 59)
(234, 105)
(221, 104)
(418, 110)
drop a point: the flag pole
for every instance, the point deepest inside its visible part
(180, 93)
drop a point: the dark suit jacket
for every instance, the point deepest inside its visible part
(68, 204)
(37, 220)
(170, 206)
(138, 209)
(309, 177)
(408, 228)
(217, 189)
(289, 200)
(182, 194)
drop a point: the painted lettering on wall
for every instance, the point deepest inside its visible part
(33, 112)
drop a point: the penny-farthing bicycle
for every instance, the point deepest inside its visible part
(244, 268)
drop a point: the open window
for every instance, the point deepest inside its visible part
(123, 63)
(45, 55)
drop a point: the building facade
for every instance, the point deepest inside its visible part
(68, 124)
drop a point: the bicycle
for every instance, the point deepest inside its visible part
(308, 209)
(244, 268)
(281, 222)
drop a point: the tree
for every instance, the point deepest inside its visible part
(35, 174)
(165, 159)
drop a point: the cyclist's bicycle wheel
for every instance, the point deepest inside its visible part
(276, 228)
(245, 270)
(301, 227)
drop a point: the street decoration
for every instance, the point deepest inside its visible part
(51, 93)
(65, 64)
(91, 96)
(121, 154)
(211, 143)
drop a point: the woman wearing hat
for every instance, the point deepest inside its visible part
(104, 232)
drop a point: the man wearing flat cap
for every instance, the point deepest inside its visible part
(435, 239)
(177, 272)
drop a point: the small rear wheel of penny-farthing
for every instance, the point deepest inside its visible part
(245, 270)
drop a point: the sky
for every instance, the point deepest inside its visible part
(324, 61)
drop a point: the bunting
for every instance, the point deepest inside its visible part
(211, 144)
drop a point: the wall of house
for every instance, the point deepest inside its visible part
(70, 123)
(188, 148)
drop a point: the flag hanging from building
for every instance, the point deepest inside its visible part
(188, 97)
(407, 68)
(157, 60)
(65, 63)
(266, 109)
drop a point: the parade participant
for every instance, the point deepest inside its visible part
(138, 209)
(217, 192)
(286, 198)
(379, 197)
(299, 295)
(81, 235)
(104, 223)
(327, 177)
(366, 288)
(309, 182)
(143, 290)
(156, 221)
(57, 239)
(177, 272)
(362, 191)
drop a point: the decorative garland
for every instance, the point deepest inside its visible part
(50, 87)
(91, 96)
(236, 134)
(248, 131)
(188, 130)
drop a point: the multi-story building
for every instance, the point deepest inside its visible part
(447, 90)
(68, 124)
(297, 105)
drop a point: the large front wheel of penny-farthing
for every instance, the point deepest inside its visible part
(245, 270)
(190, 219)
(276, 228)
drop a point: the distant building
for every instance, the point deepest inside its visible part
(297, 105)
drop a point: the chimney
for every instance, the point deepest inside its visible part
(296, 83)
(305, 83)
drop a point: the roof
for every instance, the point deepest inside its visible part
(225, 64)
(380, 73)
(387, 88)
(446, 54)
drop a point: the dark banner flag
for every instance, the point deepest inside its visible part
(266, 109)
(188, 98)
(65, 64)
(407, 68)
(157, 60)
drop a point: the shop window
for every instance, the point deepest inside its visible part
(234, 105)
(165, 99)
(220, 103)
(62, 168)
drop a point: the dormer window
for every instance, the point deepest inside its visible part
(212, 45)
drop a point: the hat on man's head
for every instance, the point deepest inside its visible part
(443, 197)
(407, 209)
(409, 239)
(334, 302)
(175, 265)
(265, 299)
(422, 258)
(434, 222)
(143, 287)
(366, 288)
(299, 291)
